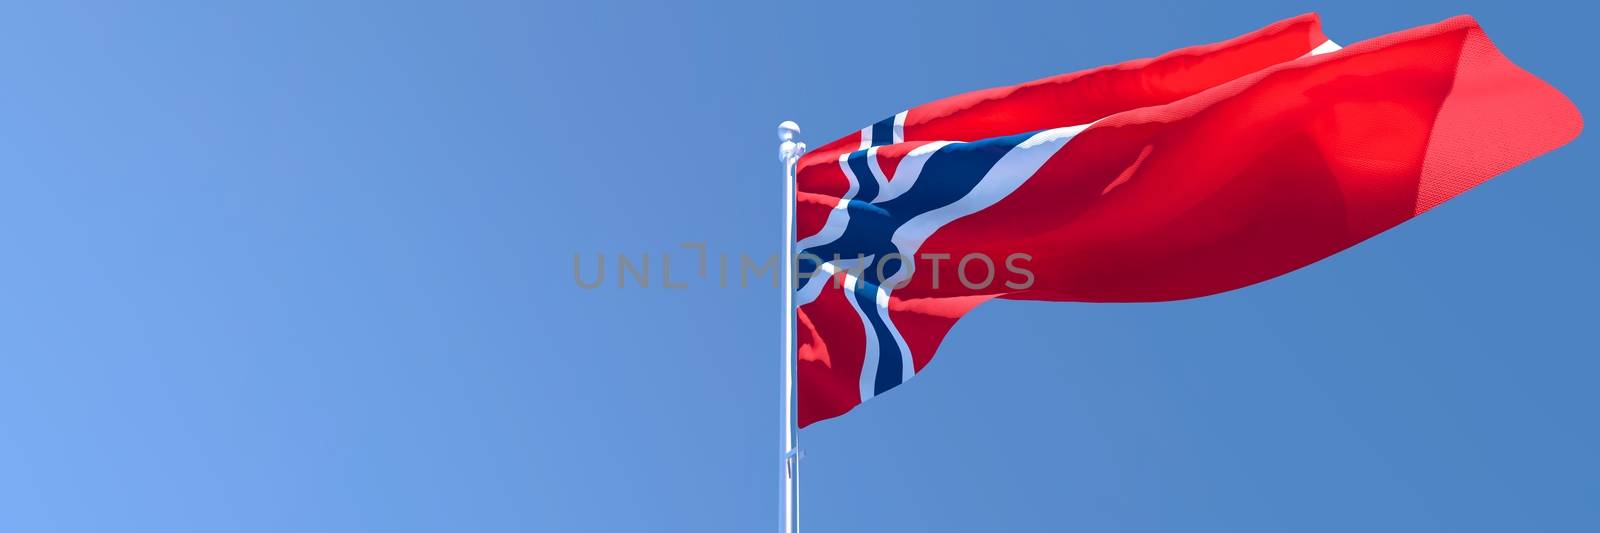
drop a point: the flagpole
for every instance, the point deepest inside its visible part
(789, 151)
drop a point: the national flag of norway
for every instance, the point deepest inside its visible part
(1200, 171)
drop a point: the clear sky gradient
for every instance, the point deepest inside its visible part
(307, 266)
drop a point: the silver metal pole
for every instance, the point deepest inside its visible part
(789, 152)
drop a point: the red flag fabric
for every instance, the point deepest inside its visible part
(1200, 171)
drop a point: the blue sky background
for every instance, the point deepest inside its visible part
(306, 266)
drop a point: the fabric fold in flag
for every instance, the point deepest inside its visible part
(1196, 172)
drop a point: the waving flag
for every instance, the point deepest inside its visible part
(1200, 171)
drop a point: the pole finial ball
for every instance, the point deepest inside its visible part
(788, 130)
